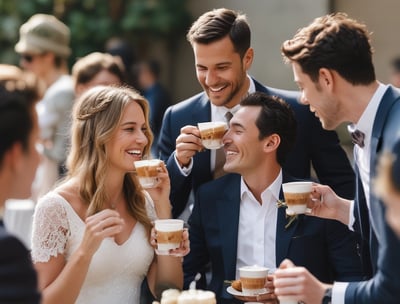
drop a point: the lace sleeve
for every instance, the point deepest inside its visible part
(50, 229)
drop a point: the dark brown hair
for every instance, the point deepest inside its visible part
(275, 117)
(334, 42)
(217, 24)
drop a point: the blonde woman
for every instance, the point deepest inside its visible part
(91, 235)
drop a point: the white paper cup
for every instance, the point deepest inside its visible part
(169, 235)
(253, 279)
(297, 196)
(212, 133)
(147, 172)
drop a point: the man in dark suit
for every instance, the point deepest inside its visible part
(332, 64)
(221, 45)
(387, 185)
(19, 159)
(235, 220)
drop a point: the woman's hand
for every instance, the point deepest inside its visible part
(104, 224)
(184, 247)
(160, 193)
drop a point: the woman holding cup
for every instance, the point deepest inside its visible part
(92, 239)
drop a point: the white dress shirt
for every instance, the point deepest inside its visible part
(362, 158)
(257, 227)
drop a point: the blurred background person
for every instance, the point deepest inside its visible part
(148, 81)
(122, 48)
(44, 48)
(19, 159)
(394, 77)
(97, 69)
(387, 185)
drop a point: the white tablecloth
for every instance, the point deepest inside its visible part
(18, 219)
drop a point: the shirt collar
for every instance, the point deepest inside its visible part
(221, 111)
(364, 123)
(274, 188)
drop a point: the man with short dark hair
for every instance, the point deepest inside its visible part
(19, 159)
(236, 222)
(223, 55)
(332, 64)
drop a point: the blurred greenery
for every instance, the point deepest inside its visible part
(93, 22)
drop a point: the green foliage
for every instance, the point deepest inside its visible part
(93, 22)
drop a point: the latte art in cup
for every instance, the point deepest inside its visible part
(212, 133)
(297, 196)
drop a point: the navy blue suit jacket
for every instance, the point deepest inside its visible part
(384, 246)
(18, 282)
(314, 145)
(326, 247)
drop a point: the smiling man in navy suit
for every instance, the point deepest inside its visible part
(223, 55)
(235, 220)
(332, 64)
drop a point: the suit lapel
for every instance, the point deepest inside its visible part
(228, 208)
(389, 98)
(202, 113)
(284, 235)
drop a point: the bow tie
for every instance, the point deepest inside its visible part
(357, 137)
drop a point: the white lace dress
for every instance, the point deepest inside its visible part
(115, 272)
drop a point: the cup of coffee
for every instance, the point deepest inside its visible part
(169, 235)
(253, 279)
(297, 196)
(147, 171)
(211, 133)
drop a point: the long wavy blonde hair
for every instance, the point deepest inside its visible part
(96, 117)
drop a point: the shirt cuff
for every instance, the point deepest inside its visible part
(338, 292)
(185, 170)
(351, 216)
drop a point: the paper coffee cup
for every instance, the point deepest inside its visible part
(253, 279)
(169, 235)
(211, 133)
(147, 172)
(297, 196)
